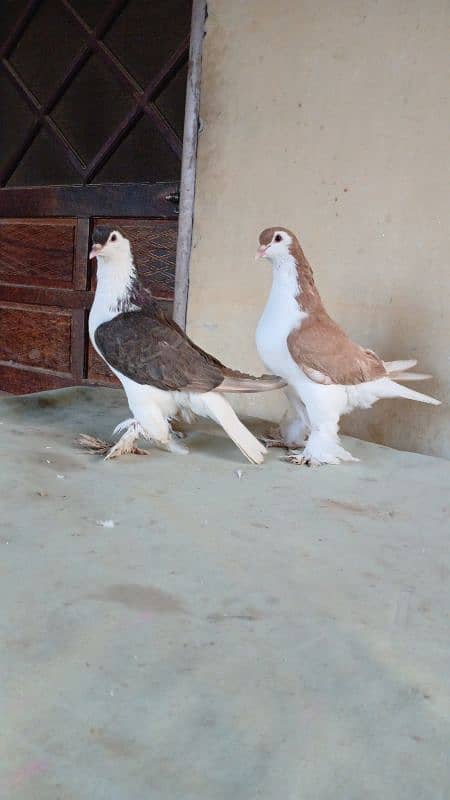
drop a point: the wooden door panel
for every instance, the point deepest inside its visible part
(35, 336)
(18, 380)
(97, 370)
(37, 252)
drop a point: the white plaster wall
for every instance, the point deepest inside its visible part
(331, 118)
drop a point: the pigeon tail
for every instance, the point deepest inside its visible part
(392, 389)
(400, 371)
(241, 382)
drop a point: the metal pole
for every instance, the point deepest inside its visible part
(189, 163)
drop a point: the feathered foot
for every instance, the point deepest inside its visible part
(302, 460)
(273, 438)
(125, 445)
(179, 434)
(99, 447)
(174, 446)
(93, 445)
(123, 448)
(310, 457)
(133, 430)
(177, 428)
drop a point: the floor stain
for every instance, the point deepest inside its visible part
(142, 598)
(355, 508)
(117, 746)
(248, 615)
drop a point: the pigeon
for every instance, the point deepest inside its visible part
(164, 374)
(327, 374)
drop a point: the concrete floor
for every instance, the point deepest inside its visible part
(283, 635)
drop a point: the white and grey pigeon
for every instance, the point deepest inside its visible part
(327, 374)
(164, 374)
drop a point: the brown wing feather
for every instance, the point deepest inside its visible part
(152, 350)
(327, 355)
(143, 298)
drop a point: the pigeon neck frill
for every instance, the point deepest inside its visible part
(117, 284)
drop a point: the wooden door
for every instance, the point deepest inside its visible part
(92, 106)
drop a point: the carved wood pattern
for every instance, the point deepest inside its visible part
(18, 379)
(37, 336)
(98, 371)
(37, 253)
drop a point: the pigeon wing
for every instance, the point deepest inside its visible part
(152, 350)
(326, 355)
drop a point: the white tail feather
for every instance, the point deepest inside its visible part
(399, 366)
(409, 376)
(219, 409)
(399, 371)
(397, 390)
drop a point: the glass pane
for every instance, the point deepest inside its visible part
(44, 164)
(10, 11)
(47, 46)
(18, 118)
(171, 101)
(142, 157)
(91, 10)
(92, 108)
(147, 33)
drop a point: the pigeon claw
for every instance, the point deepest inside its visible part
(272, 438)
(124, 450)
(303, 460)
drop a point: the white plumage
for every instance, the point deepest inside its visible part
(317, 399)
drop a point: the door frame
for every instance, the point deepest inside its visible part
(189, 163)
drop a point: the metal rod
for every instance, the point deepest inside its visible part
(189, 163)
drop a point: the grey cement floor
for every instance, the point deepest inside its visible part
(283, 635)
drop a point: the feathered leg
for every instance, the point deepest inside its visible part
(126, 444)
(294, 428)
(156, 427)
(324, 410)
(272, 437)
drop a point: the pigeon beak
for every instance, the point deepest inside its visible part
(95, 250)
(261, 251)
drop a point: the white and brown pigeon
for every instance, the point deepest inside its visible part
(327, 374)
(164, 374)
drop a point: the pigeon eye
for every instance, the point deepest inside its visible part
(113, 237)
(278, 238)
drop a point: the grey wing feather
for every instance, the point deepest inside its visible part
(151, 350)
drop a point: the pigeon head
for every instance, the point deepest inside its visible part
(275, 244)
(108, 243)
